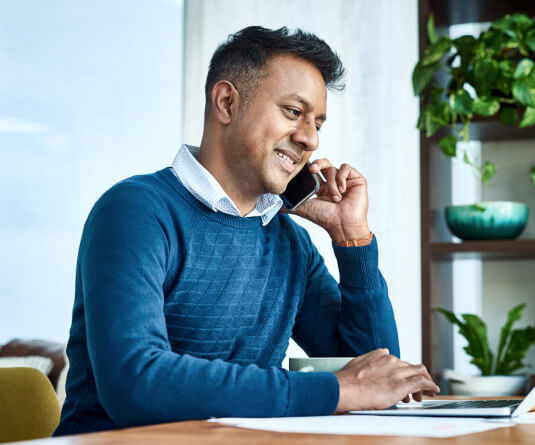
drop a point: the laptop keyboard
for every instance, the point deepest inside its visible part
(476, 404)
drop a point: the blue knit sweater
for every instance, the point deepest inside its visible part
(183, 313)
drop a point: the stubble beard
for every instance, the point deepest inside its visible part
(257, 175)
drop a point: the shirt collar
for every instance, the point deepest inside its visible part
(205, 188)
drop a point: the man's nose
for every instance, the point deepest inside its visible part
(306, 136)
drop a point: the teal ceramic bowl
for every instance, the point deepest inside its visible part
(487, 220)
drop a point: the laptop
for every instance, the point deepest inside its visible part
(459, 408)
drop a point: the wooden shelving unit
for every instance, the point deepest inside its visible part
(454, 12)
(486, 250)
(437, 251)
(491, 129)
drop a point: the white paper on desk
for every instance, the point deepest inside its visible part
(525, 418)
(367, 425)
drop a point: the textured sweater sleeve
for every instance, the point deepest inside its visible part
(124, 256)
(349, 318)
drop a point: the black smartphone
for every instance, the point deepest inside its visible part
(301, 188)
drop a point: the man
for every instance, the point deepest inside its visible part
(190, 282)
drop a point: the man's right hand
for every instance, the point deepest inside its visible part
(378, 380)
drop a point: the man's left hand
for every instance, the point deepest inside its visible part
(341, 206)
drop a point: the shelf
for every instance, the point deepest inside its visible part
(437, 273)
(486, 130)
(488, 250)
(489, 130)
(454, 12)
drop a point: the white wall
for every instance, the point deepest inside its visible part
(370, 125)
(90, 93)
(466, 273)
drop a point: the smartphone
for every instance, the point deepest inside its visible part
(300, 189)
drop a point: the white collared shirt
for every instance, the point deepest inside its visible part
(203, 186)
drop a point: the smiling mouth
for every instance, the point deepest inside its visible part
(288, 159)
(283, 156)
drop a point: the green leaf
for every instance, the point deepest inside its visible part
(488, 171)
(529, 118)
(431, 123)
(479, 207)
(464, 133)
(486, 106)
(421, 76)
(505, 84)
(435, 116)
(470, 162)
(486, 72)
(532, 175)
(513, 24)
(505, 26)
(450, 316)
(507, 68)
(448, 145)
(530, 39)
(475, 332)
(494, 42)
(521, 21)
(524, 68)
(465, 48)
(521, 341)
(436, 51)
(524, 92)
(513, 315)
(431, 32)
(462, 102)
(466, 159)
(435, 94)
(509, 115)
(420, 125)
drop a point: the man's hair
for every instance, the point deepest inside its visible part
(243, 57)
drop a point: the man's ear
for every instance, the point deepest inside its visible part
(225, 101)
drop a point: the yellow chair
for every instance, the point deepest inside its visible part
(29, 408)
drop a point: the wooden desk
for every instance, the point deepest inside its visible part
(200, 433)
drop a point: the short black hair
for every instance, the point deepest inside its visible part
(242, 58)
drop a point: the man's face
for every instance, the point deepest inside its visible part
(271, 140)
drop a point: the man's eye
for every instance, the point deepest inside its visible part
(293, 111)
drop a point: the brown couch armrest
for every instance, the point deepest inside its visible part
(20, 348)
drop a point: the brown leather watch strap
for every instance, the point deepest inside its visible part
(364, 241)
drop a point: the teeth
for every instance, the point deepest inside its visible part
(286, 158)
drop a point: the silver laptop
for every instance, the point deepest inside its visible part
(459, 408)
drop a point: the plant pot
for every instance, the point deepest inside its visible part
(488, 220)
(491, 386)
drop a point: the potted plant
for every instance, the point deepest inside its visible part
(489, 75)
(496, 377)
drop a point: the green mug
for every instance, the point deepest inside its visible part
(318, 364)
